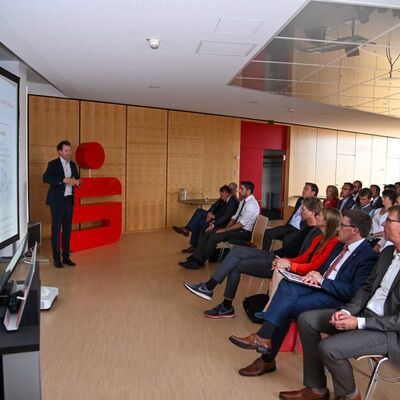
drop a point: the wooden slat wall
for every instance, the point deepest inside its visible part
(221, 148)
(153, 152)
(146, 175)
(106, 124)
(185, 163)
(50, 121)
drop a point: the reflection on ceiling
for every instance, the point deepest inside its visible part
(338, 54)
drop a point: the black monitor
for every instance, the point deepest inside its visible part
(5, 276)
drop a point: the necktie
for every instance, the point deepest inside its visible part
(336, 262)
(241, 209)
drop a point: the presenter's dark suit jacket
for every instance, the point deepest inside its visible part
(390, 322)
(226, 212)
(54, 176)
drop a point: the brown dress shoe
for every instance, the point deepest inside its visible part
(258, 367)
(304, 394)
(181, 230)
(252, 342)
(190, 249)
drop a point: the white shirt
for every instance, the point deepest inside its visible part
(67, 173)
(377, 301)
(248, 215)
(351, 248)
(296, 219)
(378, 220)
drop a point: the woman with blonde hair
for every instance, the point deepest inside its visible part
(332, 197)
(318, 252)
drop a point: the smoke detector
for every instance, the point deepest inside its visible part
(154, 43)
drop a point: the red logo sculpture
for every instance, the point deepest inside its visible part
(91, 156)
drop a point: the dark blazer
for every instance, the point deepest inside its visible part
(54, 176)
(390, 322)
(349, 204)
(378, 203)
(367, 209)
(352, 274)
(224, 215)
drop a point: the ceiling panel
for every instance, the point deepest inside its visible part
(339, 54)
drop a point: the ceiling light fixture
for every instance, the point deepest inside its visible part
(154, 43)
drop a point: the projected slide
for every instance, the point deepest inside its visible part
(9, 221)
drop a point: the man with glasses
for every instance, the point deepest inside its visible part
(336, 282)
(346, 202)
(368, 324)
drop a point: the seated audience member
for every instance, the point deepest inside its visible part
(398, 200)
(347, 200)
(376, 198)
(284, 232)
(397, 188)
(368, 324)
(328, 221)
(379, 215)
(255, 262)
(219, 214)
(338, 279)
(332, 197)
(357, 185)
(364, 201)
(233, 187)
(390, 186)
(238, 229)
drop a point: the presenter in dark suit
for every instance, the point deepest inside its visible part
(368, 324)
(62, 175)
(345, 271)
(294, 224)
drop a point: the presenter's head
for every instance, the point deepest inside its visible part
(64, 150)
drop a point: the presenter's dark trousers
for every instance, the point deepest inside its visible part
(61, 219)
(197, 225)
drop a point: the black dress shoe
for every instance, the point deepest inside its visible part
(191, 264)
(58, 264)
(190, 249)
(69, 262)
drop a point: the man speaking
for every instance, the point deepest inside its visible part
(62, 175)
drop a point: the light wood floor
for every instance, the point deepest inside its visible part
(124, 327)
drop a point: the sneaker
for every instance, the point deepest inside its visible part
(199, 289)
(220, 312)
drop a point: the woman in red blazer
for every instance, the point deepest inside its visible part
(318, 252)
(332, 197)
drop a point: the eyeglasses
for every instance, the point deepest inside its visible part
(346, 226)
(391, 220)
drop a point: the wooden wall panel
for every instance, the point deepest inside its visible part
(185, 163)
(221, 148)
(326, 156)
(106, 124)
(146, 175)
(50, 121)
(378, 160)
(362, 169)
(303, 148)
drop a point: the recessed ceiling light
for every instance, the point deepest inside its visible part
(154, 87)
(253, 102)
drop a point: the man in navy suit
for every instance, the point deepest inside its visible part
(62, 175)
(345, 271)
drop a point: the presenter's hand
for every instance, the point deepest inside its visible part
(72, 181)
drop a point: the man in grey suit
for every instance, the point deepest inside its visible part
(364, 201)
(369, 324)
